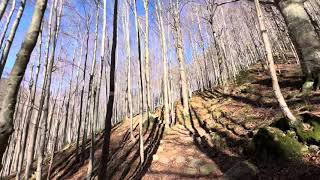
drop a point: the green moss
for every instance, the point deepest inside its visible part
(149, 123)
(272, 143)
(307, 87)
(311, 134)
(242, 77)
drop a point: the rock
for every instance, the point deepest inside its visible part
(307, 87)
(160, 148)
(249, 125)
(217, 126)
(240, 171)
(155, 157)
(181, 160)
(313, 148)
(217, 114)
(195, 163)
(231, 126)
(240, 131)
(309, 130)
(207, 169)
(191, 171)
(272, 143)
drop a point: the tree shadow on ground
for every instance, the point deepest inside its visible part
(126, 163)
(271, 169)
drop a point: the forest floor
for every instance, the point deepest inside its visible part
(212, 143)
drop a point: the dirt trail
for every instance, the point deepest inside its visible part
(179, 158)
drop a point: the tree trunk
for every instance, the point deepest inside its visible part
(91, 94)
(58, 13)
(12, 34)
(304, 37)
(128, 52)
(3, 6)
(276, 88)
(141, 146)
(165, 63)
(106, 139)
(17, 73)
(147, 56)
(181, 59)
(7, 23)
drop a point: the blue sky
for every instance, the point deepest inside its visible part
(28, 12)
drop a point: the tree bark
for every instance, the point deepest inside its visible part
(141, 146)
(128, 52)
(181, 59)
(147, 57)
(165, 63)
(305, 39)
(106, 139)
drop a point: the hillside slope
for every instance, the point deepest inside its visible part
(213, 143)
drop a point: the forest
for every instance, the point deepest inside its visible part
(159, 89)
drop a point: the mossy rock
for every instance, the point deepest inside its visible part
(207, 169)
(241, 170)
(273, 144)
(308, 131)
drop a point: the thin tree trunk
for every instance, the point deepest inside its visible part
(44, 119)
(12, 34)
(82, 99)
(276, 88)
(142, 82)
(91, 94)
(3, 7)
(33, 136)
(181, 59)
(7, 23)
(147, 57)
(165, 63)
(128, 52)
(106, 139)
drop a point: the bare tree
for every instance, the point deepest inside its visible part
(275, 84)
(180, 54)
(141, 147)
(106, 139)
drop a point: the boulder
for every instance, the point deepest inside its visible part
(242, 170)
(272, 143)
